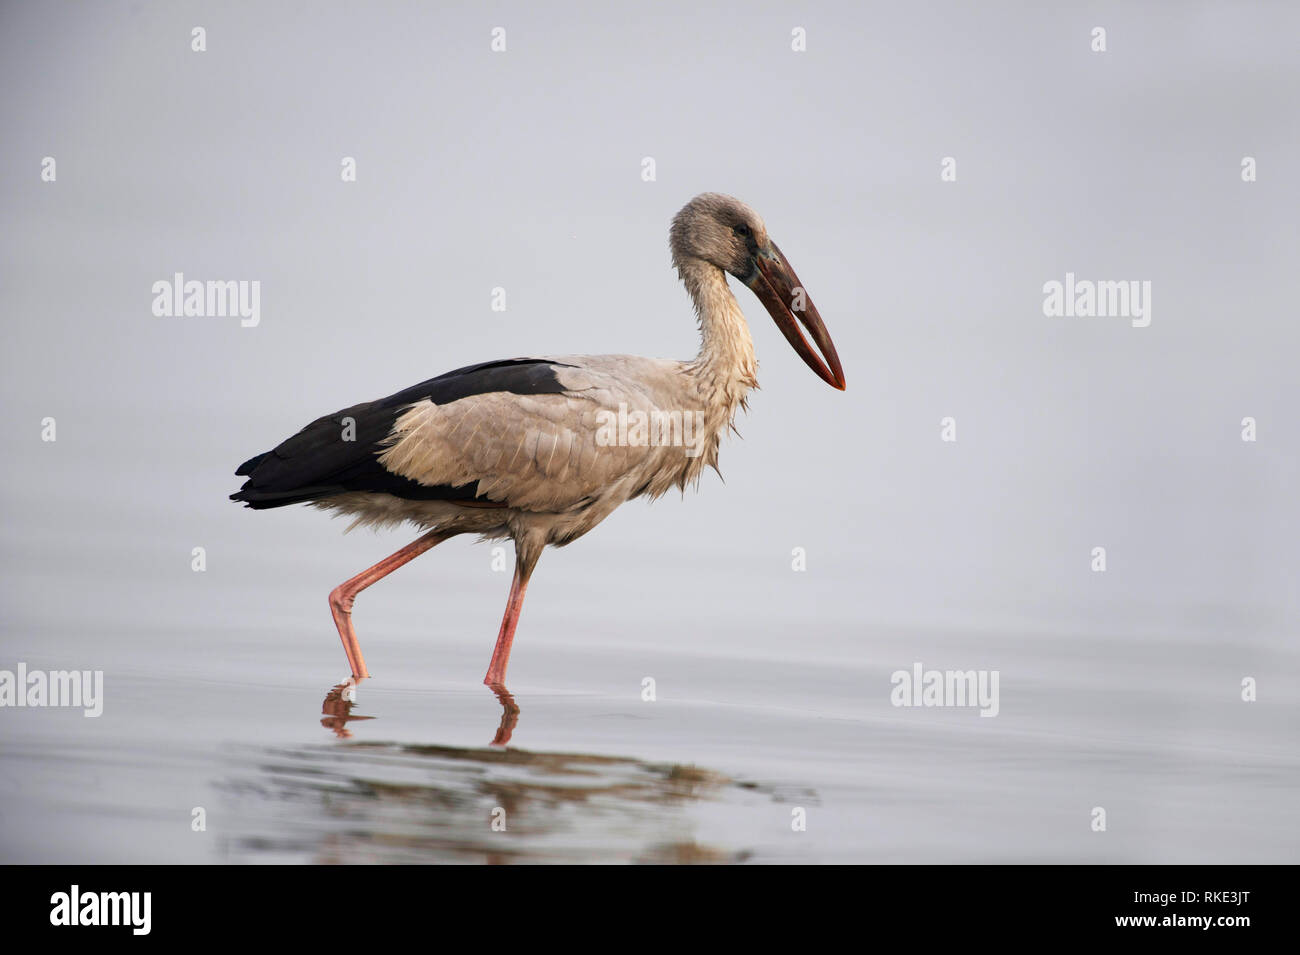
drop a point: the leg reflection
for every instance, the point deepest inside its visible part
(509, 714)
(337, 709)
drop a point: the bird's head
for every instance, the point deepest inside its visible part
(728, 234)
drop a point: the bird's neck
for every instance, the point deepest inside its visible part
(725, 367)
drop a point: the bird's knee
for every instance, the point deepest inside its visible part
(341, 601)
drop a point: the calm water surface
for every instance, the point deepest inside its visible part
(756, 720)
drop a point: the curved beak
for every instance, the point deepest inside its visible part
(785, 299)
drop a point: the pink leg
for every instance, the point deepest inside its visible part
(496, 674)
(342, 596)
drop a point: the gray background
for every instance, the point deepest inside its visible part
(522, 170)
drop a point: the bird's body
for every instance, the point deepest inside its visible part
(541, 450)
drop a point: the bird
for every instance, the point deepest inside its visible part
(539, 450)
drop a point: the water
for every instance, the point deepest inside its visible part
(751, 723)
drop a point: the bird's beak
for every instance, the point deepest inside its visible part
(786, 300)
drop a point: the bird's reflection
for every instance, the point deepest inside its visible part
(336, 710)
(397, 803)
(401, 803)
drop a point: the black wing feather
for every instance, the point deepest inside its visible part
(317, 463)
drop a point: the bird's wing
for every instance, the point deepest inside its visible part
(522, 433)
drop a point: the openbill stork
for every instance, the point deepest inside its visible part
(525, 448)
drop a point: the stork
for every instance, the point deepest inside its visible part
(524, 448)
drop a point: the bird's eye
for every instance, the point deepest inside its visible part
(743, 229)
